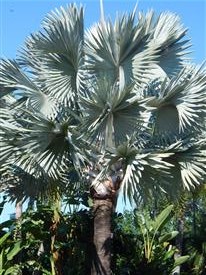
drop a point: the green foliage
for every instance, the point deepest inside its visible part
(49, 242)
(9, 249)
(150, 229)
(143, 245)
(195, 232)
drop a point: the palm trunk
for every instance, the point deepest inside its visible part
(55, 260)
(103, 209)
(18, 232)
(18, 216)
(18, 212)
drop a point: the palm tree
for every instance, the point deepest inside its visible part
(117, 106)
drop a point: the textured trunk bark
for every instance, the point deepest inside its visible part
(17, 232)
(18, 210)
(103, 209)
(18, 214)
(55, 260)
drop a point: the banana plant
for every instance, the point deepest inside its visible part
(155, 236)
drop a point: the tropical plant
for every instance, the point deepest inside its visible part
(45, 246)
(150, 230)
(194, 241)
(145, 245)
(7, 254)
(116, 108)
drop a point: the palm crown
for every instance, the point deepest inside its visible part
(119, 96)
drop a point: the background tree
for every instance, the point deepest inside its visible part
(116, 106)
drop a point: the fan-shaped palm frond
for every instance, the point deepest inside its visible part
(37, 155)
(36, 139)
(145, 172)
(127, 51)
(166, 38)
(152, 170)
(180, 102)
(112, 49)
(55, 54)
(189, 163)
(4, 90)
(111, 112)
(112, 88)
(13, 77)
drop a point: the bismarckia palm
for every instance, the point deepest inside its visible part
(118, 105)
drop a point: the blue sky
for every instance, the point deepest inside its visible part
(20, 18)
